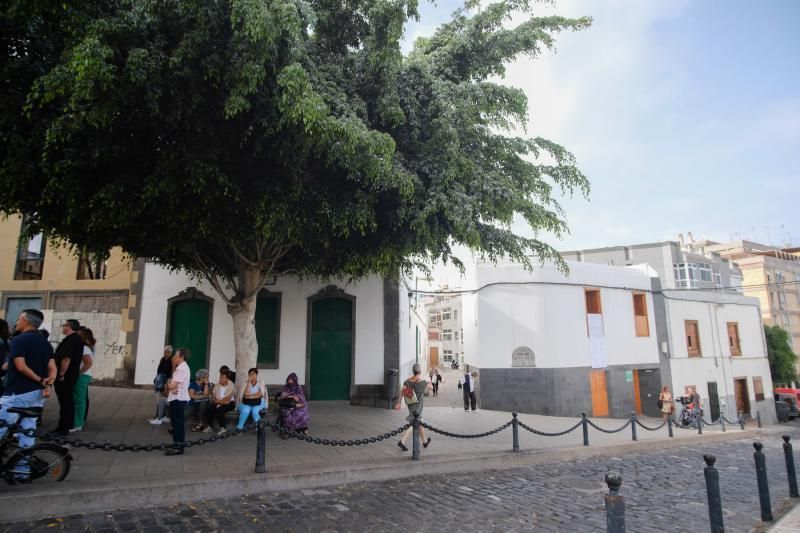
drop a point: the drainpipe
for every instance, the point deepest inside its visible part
(722, 355)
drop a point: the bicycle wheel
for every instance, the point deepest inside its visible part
(40, 461)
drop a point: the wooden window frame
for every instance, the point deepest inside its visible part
(735, 347)
(693, 351)
(758, 383)
(586, 292)
(641, 322)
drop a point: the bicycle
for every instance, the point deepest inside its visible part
(23, 465)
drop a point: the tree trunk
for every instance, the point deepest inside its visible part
(243, 312)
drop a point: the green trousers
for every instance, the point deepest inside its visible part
(79, 395)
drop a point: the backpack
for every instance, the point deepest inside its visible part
(660, 404)
(409, 394)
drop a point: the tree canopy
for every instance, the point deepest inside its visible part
(243, 139)
(782, 361)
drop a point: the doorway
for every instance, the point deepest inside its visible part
(713, 400)
(599, 393)
(434, 356)
(190, 327)
(742, 396)
(649, 385)
(330, 349)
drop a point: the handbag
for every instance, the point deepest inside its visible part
(409, 395)
(660, 403)
(287, 403)
(251, 401)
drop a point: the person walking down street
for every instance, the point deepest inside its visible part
(252, 398)
(163, 373)
(178, 388)
(222, 401)
(467, 386)
(435, 380)
(292, 407)
(666, 402)
(5, 333)
(69, 356)
(31, 373)
(416, 387)
(81, 394)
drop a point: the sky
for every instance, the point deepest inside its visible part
(684, 115)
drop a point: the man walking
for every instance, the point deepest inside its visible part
(467, 385)
(31, 372)
(178, 388)
(69, 355)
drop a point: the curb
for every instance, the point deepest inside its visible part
(62, 499)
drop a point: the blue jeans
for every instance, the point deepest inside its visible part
(247, 410)
(29, 399)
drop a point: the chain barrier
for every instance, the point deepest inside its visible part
(717, 423)
(648, 428)
(598, 428)
(545, 434)
(463, 436)
(728, 421)
(332, 442)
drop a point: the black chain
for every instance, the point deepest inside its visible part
(332, 442)
(463, 436)
(728, 421)
(545, 434)
(648, 428)
(717, 423)
(598, 428)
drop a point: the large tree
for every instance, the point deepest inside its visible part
(782, 360)
(244, 139)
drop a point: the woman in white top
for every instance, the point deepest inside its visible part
(252, 398)
(80, 394)
(222, 401)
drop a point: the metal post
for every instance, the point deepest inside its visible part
(699, 424)
(415, 438)
(722, 423)
(714, 497)
(763, 485)
(669, 425)
(758, 418)
(633, 426)
(585, 424)
(261, 447)
(615, 504)
(787, 451)
(515, 432)
(741, 419)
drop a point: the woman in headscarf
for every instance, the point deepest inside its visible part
(293, 406)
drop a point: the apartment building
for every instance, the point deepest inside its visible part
(445, 330)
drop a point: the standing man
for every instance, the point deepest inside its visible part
(178, 388)
(467, 385)
(31, 372)
(69, 355)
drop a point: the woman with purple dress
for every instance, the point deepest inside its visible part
(293, 406)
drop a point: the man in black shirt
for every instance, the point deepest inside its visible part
(68, 360)
(31, 371)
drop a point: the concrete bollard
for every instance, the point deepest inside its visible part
(415, 440)
(763, 484)
(585, 424)
(261, 446)
(787, 451)
(515, 432)
(615, 504)
(633, 427)
(714, 497)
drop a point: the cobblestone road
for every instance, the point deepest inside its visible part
(664, 491)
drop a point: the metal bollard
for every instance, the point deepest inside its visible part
(714, 497)
(669, 425)
(741, 419)
(261, 447)
(787, 451)
(633, 426)
(415, 437)
(758, 418)
(763, 485)
(699, 424)
(615, 504)
(585, 424)
(722, 423)
(515, 432)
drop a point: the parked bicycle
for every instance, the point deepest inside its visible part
(40, 461)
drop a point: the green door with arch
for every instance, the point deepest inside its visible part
(331, 348)
(189, 329)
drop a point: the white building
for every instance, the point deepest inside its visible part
(603, 340)
(445, 331)
(338, 337)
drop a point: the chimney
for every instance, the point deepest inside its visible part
(680, 239)
(690, 238)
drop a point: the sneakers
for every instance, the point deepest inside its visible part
(208, 429)
(221, 431)
(165, 420)
(73, 430)
(157, 421)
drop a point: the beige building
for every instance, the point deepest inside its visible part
(772, 275)
(99, 293)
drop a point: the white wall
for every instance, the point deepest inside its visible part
(551, 318)
(413, 322)
(110, 349)
(160, 285)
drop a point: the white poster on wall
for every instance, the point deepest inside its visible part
(597, 341)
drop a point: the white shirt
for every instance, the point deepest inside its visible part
(90, 352)
(467, 383)
(220, 391)
(180, 377)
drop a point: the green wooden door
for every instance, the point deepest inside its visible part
(189, 329)
(331, 346)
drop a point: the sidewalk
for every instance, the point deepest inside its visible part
(104, 480)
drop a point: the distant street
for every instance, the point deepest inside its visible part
(665, 491)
